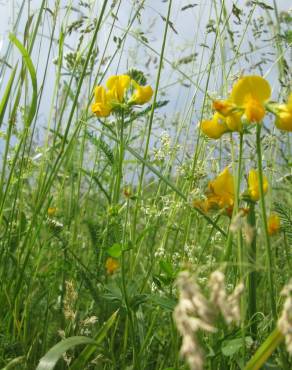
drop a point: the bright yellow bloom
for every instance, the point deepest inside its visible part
(142, 94)
(284, 115)
(52, 211)
(273, 224)
(215, 127)
(118, 86)
(111, 265)
(253, 185)
(250, 94)
(101, 106)
(221, 190)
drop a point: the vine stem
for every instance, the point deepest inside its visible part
(265, 223)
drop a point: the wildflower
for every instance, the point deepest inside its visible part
(250, 94)
(118, 86)
(285, 320)
(142, 94)
(221, 190)
(52, 211)
(273, 224)
(253, 185)
(101, 106)
(284, 115)
(111, 265)
(215, 127)
(220, 194)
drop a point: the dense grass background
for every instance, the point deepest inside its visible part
(61, 216)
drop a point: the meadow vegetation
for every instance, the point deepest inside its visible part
(145, 188)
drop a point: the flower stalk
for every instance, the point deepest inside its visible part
(265, 223)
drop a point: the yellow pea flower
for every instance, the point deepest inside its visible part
(284, 115)
(215, 127)
(221, 190)
(250, 94)
(101, 106)
(220, 194)
(118, 86)
(273, 224)
(111, 265)
(253, 185)
(142, 94)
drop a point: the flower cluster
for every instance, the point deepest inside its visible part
(121, 91)
(247, 102)
(220, 192)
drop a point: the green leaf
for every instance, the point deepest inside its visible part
(166, 303)
(115, 250)
(31, 70)
(167, 268)
(88, 351)
(51, 358)
(230, 347)
(14, 363)
(6, 95)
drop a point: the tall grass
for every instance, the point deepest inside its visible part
(78, 192)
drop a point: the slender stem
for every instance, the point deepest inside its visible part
(265, 224)
(121, 151)
(252, 283)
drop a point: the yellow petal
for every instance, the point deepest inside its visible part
(118, 85)
(222, 189)
(254, 86)
(142, 94)
(233, 122)
(111, 265)
(273, 224)
(284, 115)
(254, 110)
(215, 127)
(253, 185)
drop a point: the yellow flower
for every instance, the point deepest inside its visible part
(52, 211)
(284, 115)
(117, 86)
(221, 190)
(215, 127)
(250, 94)
(101, 106)
(111, 265)
(273, 224)
(142, 94)
(220, 194)
(253, 185)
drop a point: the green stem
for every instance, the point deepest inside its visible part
(265, 224)
(252, 283)
(121, 151)
(265, 350)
